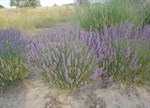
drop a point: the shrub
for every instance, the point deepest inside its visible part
(66, 63)
(74, 58)
(126, 52)
(12, 54)
(123, 51)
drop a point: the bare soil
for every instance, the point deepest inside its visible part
(32, 93)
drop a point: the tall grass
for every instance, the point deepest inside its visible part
(100, 15)
(31, 18)
(146, 14)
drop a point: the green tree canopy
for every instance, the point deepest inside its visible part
(82, 2)
(25, 3)
(1, 6)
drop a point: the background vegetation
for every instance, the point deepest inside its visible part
(1, 6)
(96, 14)
(24, 3)
(31, 18)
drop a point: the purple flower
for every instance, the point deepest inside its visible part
(78, 72)
(97, 73)
(63, 58)
(71, 80)
(66, 73)
(135, 60)
(56, 49)
(85, 85)
(127, 51)
(12, 42)
(69, 60)
(72, 55)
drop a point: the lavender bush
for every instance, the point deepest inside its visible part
(124, 51)
(12, 54)
(11, 42)
(75, 58)
(67, 63)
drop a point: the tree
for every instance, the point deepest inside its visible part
(1, 6)
(16, 3)
(55, 5)
(24, 3)
(31, 3)
(82, 2)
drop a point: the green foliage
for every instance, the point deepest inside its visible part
(12, 55)
(16, 3)
(1, 6)
(82, 2)
(146, 15)
(11, 70)
(101, 15)
(24, 3)
(32, 3)
(123, 68)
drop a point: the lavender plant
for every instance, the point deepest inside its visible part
(124, 51)
(65, 64)
(12, 54)
(75, 58)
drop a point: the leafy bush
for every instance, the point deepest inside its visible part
(12, 54)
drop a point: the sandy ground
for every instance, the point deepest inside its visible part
(32, 93)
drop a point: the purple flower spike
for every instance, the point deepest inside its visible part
(78, 73)
(97, 73)
(135, 60)
(128, 51)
